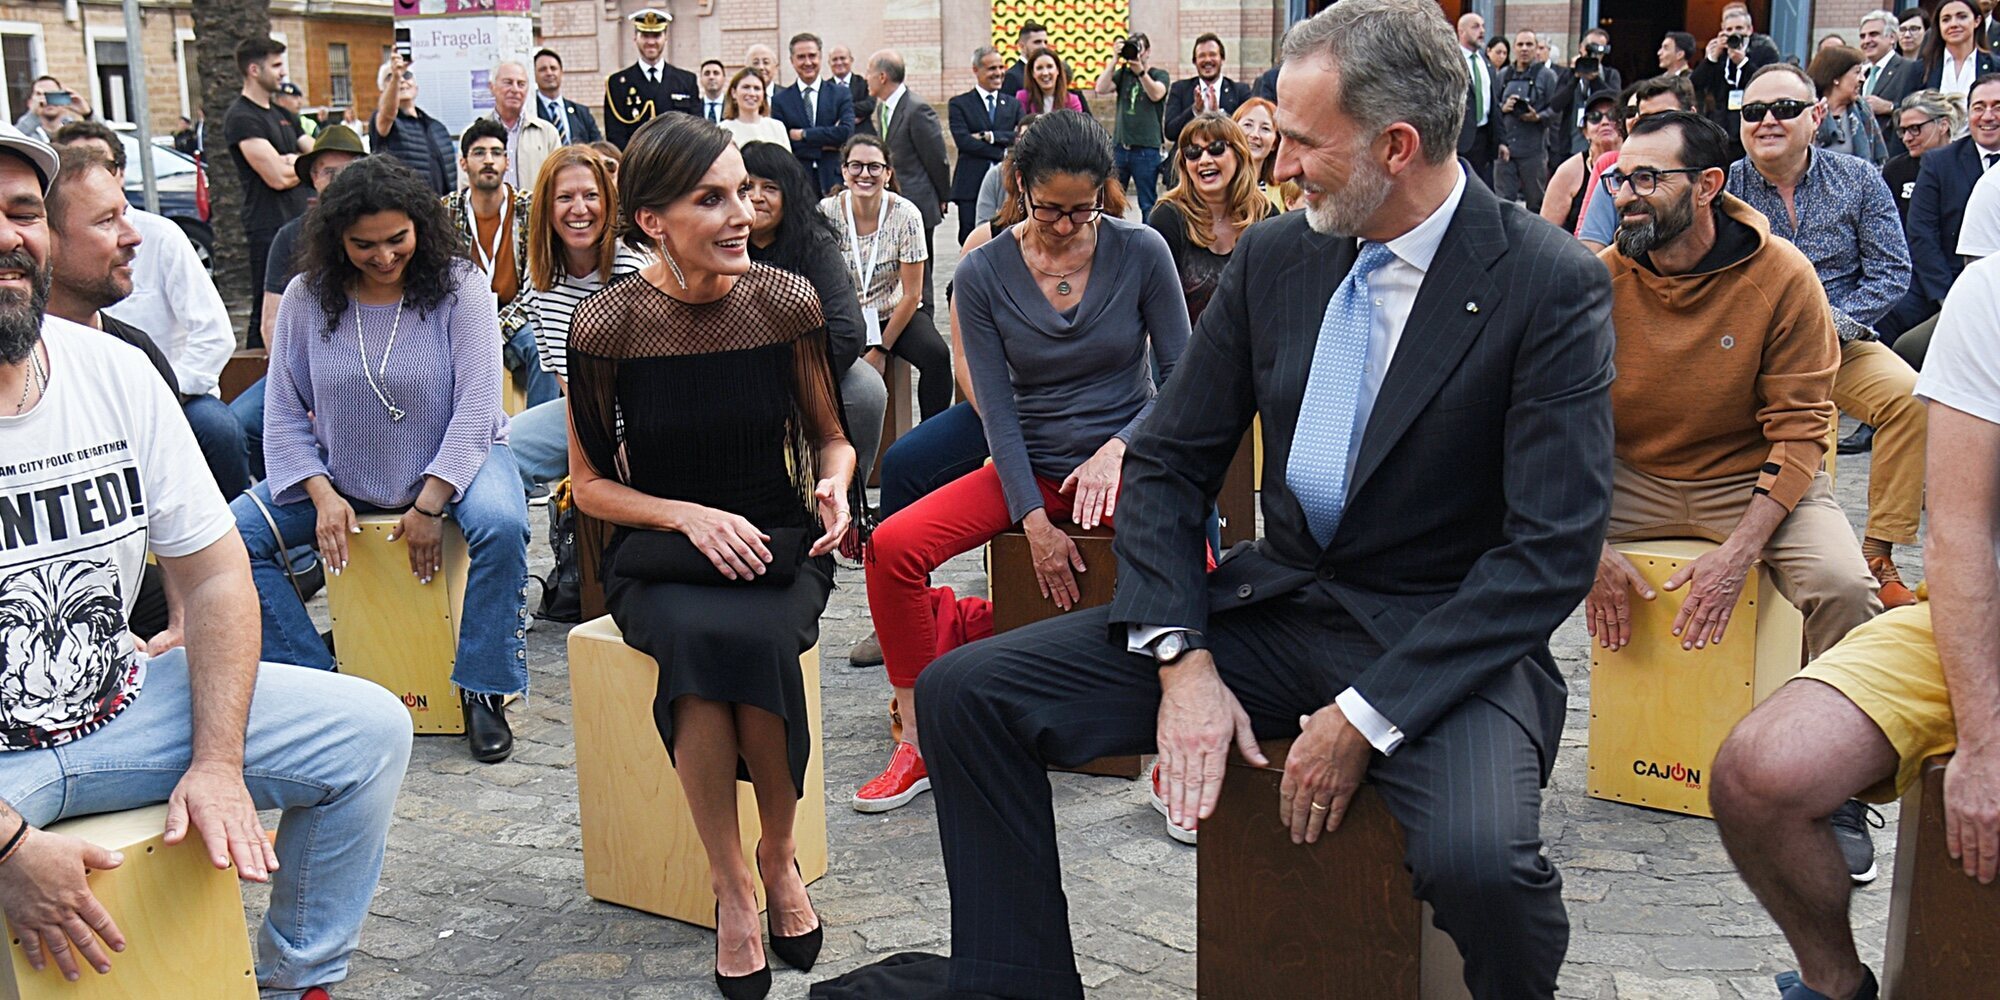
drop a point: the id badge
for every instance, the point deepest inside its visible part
(873, 316)
(1736, 100)
(1579, 117)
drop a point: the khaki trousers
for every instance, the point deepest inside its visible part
(1813, 557)
(1878, 388)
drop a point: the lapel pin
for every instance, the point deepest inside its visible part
(1472, 307)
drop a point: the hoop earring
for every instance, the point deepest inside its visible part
(668, 256)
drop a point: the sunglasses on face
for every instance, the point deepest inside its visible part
(1192, 151)
(1783, 111)
(1597, 117)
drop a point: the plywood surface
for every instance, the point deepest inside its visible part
(1944, 928)
(395, 631)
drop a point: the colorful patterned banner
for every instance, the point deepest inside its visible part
(1085, 33)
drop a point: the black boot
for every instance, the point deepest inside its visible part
(486, 727)
(1862, 440)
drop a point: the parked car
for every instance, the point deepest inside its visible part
(182, 194)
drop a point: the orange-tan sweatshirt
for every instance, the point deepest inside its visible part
(1727, 371)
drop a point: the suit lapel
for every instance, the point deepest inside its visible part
(1452, 306)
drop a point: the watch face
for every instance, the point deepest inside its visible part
(1171, 646)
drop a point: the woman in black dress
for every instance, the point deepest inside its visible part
(705, 429)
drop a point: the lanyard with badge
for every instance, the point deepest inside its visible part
(486, 257)
(1734, 81)
(865, 273)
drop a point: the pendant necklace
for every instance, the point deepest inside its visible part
(36, 380)
(1062, 280)
(396, 413)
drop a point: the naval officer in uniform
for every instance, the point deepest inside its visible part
(650, 87)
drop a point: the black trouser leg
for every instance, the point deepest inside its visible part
(259, 247)
(967, 210)
(924, 348)
(1468, 795)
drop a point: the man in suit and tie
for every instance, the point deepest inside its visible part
(712, 77)
(650, 87)
(840, 70)
(572, 120)
(1479, 130)
(818, 114)
(1206, 90)
(1945, 179)
(909, 125)
(1433, 368)
(982, 125)
(1888, 76)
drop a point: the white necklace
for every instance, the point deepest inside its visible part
(382, 370)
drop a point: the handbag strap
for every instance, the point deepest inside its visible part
(284, 550)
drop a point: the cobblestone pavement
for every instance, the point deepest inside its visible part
(482, 897)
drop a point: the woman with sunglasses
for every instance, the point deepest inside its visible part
(881, 236)
(1058, 313)
(1838, 72)
(1259, 120)
(1046, 86)
(1215, 201)
(1925, 121)
(1563, 202)
(1954, 52)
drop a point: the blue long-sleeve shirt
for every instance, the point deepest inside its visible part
(1847, 226)
(1054, 387)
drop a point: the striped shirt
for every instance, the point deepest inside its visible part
(550, 312)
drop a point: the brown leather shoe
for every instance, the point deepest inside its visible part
(1893, 593)
(865, 653)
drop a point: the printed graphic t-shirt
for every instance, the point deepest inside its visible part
(102, 467)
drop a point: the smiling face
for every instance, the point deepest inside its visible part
(548, 75)
(1210, 172)
(1259, 131)
(762, 59)
(866, 170)
(94, 241)
(991, 71)
(1876, 36)
(1208, 60)
(1045, 71)
(1772, 141)
(1067, 194)
(579, 210)
(1920, 132)
(707, 229)
(24, 255)
(1327, 152)
(805, 60)
(839, 61)
(1650, 222)
(651, 45)
(749, 94)
(1982, 112)
(1848, 87)
(380, 245)
(1955, 21)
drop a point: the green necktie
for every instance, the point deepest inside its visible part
(882, 120)
(1478, 87)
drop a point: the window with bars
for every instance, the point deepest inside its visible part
(340, 79)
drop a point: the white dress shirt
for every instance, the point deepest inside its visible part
(809, 94)
(1393, 288)
(889, 105)
(653, 71)
(1958, 77)
(175, 302)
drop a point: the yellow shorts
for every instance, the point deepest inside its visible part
(1889, 669)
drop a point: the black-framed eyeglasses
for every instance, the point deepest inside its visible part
(1596, 117)
(864, 169)
(1192, 151)
(1907, 131)
(1783, 111)
(1644, 180)
(1049, 215)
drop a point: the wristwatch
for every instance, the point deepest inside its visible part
(1171, 647)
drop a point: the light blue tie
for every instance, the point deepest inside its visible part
(1317, 468)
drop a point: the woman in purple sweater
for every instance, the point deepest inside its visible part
(384, 394)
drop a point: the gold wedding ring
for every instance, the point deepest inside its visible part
(1321, 808)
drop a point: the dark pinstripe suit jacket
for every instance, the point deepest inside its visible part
(1481, 489)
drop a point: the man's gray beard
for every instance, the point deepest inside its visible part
(21, 321)
(1670, 220)
(1344, 212)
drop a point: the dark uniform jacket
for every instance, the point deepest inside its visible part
(630, 101)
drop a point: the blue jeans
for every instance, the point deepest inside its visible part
(493, 627)
(933, 453)
(249, 410)
(220, 436)
(539, 438)
(542, 386)
(1138, 167)
(328, 750)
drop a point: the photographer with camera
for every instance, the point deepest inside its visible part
(50, 107)
(1527, 92)
(1141, 125)
(1732, 58)
(1576, 86)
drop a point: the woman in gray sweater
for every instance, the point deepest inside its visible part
(1057, 314)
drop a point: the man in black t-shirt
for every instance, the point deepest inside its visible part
(263, 142)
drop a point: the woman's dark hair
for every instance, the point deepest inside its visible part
(371, 185)
(801, 222)
(873, 142)
(1035, 95)
(666, 158)
(1829, 65)
(1062, 142)
(1932, 53)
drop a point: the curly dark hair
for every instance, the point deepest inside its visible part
(379, 184)
(802, 221)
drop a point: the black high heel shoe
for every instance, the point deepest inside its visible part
(750, 986)
(799, 951)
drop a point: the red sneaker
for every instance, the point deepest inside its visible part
(316, 993)
(900, 782)
(1160, 806)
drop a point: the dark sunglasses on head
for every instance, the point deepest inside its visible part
(1192, 151)
(1783, 111)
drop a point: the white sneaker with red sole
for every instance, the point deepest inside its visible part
(904, 779)
(1160, 806)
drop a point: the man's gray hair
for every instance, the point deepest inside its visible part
(889, 63)
(1888, 20)
(979, 54)
(1937, 104)
(503, 64)
(1397, 61)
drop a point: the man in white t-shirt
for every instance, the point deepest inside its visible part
(94, 465)
(1913, 683)
(1979, 235)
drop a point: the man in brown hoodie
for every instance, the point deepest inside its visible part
(1726, 358)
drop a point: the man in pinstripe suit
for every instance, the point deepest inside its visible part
(1438, 430)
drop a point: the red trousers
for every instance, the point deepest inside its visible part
(957, 517)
